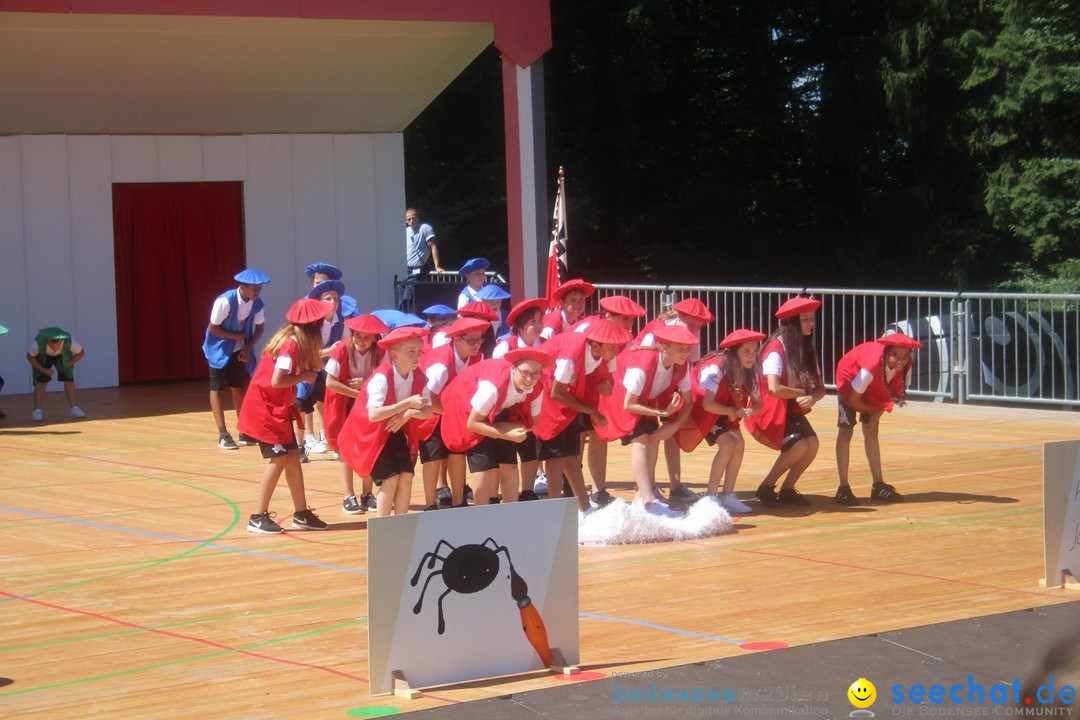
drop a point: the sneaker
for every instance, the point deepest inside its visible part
(37, 415)
(368, 501)
(303, 456)
(225, 442)
(791, 496)
(734, 505)
(468, 494)
(602, 498)
(659, 494)
(432, 506)
(307, 520)
(528, 495)
(245, 440)
(844, 496)
(684, 495)
(444, 496)
(886, 492)
(767, 496)
(315, 447)
(540, 486)
(659, 509)
(349, 506)
(263, 523)
(495, 500)
(76, 412)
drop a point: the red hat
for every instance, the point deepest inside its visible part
(525, 306)
(622, 305)
(738, 337)
(367, 324)
(466, 324)
(695, 309)
(900, 340)
(797, 306)
(675, 334)
(575, 284)
(534, 354)
(401, 334)
(478, 309)
(607, 332)
(307, 311)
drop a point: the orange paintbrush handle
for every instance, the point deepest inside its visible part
(534, 629)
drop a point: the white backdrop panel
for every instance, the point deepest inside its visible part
(179, 158)
(13, 277)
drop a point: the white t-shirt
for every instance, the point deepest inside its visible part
(439, 339)
(438, 374)
(220, 312)
(467, 296)
(376, 389)
(862, 381)
(486, 395)
(709, 378)
(634, 381)
(773, 364)
(360, 365)
(547, 333)
(76, 348)
(564, 367)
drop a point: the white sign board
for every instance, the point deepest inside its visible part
(1061, 511)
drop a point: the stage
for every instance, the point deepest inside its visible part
(130, 587)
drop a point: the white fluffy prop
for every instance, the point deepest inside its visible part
(622, 523)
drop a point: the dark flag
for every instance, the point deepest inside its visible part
(556, 268)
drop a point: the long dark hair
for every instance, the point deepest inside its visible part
(742, 382)
(801, 355)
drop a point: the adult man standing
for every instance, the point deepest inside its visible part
(421, 254)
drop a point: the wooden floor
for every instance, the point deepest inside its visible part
(129, 586)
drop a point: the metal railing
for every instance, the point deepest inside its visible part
(994, 347)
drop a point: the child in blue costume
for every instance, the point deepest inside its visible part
(236, 324)
(54, 351)
(474, 274)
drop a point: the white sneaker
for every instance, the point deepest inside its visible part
(37, 415)
(540, 486)
(734, 505)
(76, 412)
(315, 447)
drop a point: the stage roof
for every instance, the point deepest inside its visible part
(103, 71)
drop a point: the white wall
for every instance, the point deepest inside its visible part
(307, 198)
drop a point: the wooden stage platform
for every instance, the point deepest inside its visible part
(129, 587)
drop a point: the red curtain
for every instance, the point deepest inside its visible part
(177, 246)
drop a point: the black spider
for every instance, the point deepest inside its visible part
(466, 569)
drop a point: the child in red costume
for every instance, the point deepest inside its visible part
(572, 389)
(441, 365)
(349, 365)
(488, 411)
(291, 356)
(725, 387)
(382, 433)
(871, 379)
(571, 298)
(691, 314)
(526, 321)
(650, 384)
(793, 386)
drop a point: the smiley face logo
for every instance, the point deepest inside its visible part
(862, 693)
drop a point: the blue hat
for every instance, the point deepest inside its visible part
(492, 292)
(251, 276)
(473, 264)
(389, 317)
(332, 272)
(439, 311)
(349, 306)
(408, 320)
(327, 286)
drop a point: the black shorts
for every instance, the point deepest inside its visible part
(489, 453)
(717, 430)
(645, 426)
(394, 459)
(234, 374)
(276, 450)
(565, 444)
(317, 394)
(845, 416)
(53, 361)
(434, 449)
(796, 428)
